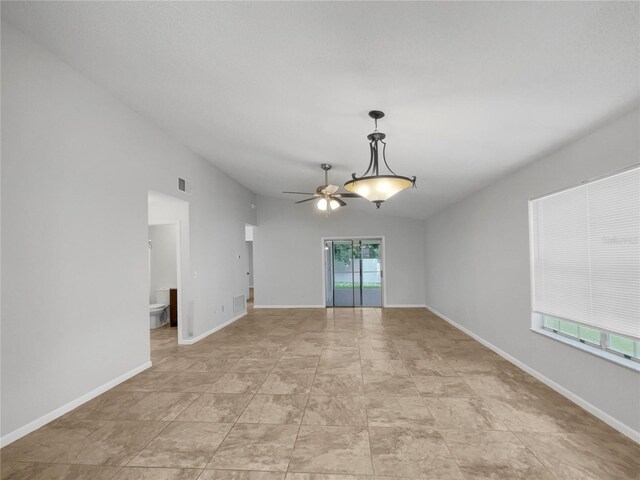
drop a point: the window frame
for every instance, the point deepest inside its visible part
(608, 355)
(537, 318)
(605, 337)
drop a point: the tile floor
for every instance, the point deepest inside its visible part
(326, 395)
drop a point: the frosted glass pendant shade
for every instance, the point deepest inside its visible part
(378, 188)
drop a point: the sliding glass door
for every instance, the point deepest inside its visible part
(353, 272)
(371, 272)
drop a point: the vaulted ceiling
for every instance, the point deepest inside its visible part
(267, 91)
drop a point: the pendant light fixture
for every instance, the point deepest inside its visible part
(372, 185)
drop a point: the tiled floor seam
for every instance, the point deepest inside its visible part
(303, 413)
(515, 433)
(402, 358)
(243, 410)
(366, 412)
(147, 444)
(174, 421)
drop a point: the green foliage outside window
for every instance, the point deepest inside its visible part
(621, 344)
(616, 343)
(342, 251)
(357, 285)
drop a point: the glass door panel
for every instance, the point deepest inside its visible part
(371, 273)
(328, 272)
(343, 273)
(357, 274)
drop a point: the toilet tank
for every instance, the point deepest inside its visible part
(162, 296)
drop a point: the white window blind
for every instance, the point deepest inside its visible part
(586, 253)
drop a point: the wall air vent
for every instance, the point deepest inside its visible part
(239, 304)
(184, 186)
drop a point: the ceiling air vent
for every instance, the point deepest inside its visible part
(184, 186)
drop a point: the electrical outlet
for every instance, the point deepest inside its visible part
(223, 308)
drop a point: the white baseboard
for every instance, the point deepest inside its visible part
(58, 412)
(191, 341)
(289, 306)
(406, 305)
(402, 305)
(592, 409)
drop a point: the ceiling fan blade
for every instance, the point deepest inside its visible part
(331, 189)
(342, 204)
(301, 193)
(347, 195)
(306, 200)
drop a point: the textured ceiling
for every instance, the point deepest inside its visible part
(268, 91)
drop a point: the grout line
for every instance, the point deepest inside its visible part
(455, 461)
(515, 434)
(252, 397)
(304, 411)
(165, 428)
(250, 400)
(187, 347)
(117, 472)
(146, 444)
(366, 411)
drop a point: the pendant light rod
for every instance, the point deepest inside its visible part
(372, 185)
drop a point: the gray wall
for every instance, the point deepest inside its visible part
(287, 251)
(477, 268)
(76, 168)
(163, 261)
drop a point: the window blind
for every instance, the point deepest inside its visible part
(585, 244)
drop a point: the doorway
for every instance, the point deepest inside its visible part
(170, 319)
(248, 236)
(353, 270)
(163, 274)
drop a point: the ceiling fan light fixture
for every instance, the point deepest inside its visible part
(327, 197)
(322, 204)
(375, 187)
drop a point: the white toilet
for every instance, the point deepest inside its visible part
(157, 315)
(158, 312)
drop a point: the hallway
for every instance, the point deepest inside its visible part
(391, 392)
